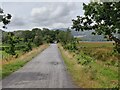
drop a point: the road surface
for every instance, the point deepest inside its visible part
(47, 70)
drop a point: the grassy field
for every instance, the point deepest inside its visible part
(100, 51)
(96, 44)
(93, 65)
(14, 64)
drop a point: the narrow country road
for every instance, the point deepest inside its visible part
(47, 70)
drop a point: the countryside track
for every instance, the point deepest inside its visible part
(47, 70)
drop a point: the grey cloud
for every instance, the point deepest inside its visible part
(52, 14)
(18, 21)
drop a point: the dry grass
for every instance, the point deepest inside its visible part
(75, 69)
(25, 55)
(102, 51)
(98, 76)
(96, 44)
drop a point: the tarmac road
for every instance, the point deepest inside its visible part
(47, 70)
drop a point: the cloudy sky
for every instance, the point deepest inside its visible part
(27, 15)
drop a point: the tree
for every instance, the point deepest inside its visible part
(103, 17)
(38, 38)
(56, 35)
(28, 46)
(65, 37)
(26, 35)
(11, 41)
(4, 37)
(4, 18)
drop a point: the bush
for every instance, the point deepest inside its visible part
(5, 48)
(20, 47)
(84, 59)
(10, 50)
(28, 47)
(71, 47)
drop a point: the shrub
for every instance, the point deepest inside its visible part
(84, 59)
(20, 47)
(71, 47)
(10, 50)
(28, 47)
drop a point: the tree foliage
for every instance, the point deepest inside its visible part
(11, 41)
(103, 17)
(67, 40)
(26, 40)
(4, 18)
(38, 40)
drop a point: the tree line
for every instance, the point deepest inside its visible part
(27, 39)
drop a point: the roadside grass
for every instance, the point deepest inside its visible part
(5, 55)
(19, 52)
(14, 64)
(10, 68)
(87, 72)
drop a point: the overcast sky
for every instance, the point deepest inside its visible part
(27, 15)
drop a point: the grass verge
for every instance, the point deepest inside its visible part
(13, 65)
(90, 74)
